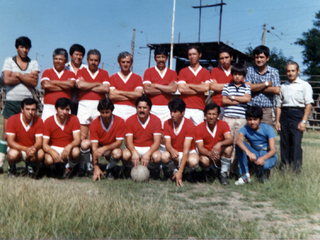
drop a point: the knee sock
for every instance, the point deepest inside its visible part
(225, 164)
(87, 159)
(170, 165)
(152, 166)
(189, 169)
(71, 164)
(112, 163)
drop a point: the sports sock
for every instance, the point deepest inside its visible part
(87, 158)
(112, 163)
(225, 164)
(72, 164)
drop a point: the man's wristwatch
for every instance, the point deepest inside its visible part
(232, 98)
(304, 121)
(267, 83)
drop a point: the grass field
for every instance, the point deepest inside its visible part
(287, 206)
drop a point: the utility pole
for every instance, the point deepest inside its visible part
(132, 45)
(264, 34)
(172, 34)
(206, 6)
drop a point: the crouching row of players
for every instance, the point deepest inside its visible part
(208, 144)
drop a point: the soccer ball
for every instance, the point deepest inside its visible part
(140, 174)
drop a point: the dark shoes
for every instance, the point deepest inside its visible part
(224, 179)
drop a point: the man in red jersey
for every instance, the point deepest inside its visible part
(178, 134)
(194, 81)
(57, 82)
(106, 137)
(24, 132)
(125, 87)
(61, 137)
(143, 135)
(214, 142)
(220, 76)
(159, 82)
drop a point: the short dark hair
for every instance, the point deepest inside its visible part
(239, 68)
(211, 106)
(23, 41)
(105, 104)
(61, 51)
(124, 55)
(196, 47)
(62, 103)
(94, 52)
(144, 98)
(177, 104)
(224, 49)
(28, 101)
(254, 111)
(261, 49)
(161, 50)
(78, 48)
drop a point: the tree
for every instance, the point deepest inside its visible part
(310, 41)
(276, 60)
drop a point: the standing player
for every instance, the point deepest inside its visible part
(77, 53)
(214, 142)
(159, 82)
(20, 75)
(24, 131)
(125, 87)
(57, 82)
(193, 82)
(178, 134)
(143, 135)
(106, 137)
(61, 137)
(220, 76)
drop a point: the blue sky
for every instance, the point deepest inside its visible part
(107, 25)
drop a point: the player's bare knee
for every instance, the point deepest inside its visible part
(126, 155)
(85, 144)
(48, 161)
(227, 152)
(165, 157)
(116, 154)
(75, 153)
(13, 156)
(204, 161)
(156, 157)
(193, 160)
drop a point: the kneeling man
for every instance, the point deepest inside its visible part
(214, 142)
(106, 136)
(178, 134)
(24, 133)
(262, 149)
(143, 135)
(61, 137)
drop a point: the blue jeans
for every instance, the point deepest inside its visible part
(243, 162)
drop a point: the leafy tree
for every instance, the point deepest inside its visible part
(276, 60)
(311, 54)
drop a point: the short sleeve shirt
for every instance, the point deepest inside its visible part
(24, 135)
(221, 76)
(20, 91)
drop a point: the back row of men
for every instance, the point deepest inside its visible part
(21, 75)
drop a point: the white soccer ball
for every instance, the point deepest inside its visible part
(140, 174)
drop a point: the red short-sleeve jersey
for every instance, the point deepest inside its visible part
(219, 74)
(60, 135)
(100, 76)
(131, 83)
(203, 133)
(152, 76)
(143, 133)
(52, 74)
(24, 135)
(185, 131)
(105, 136)
(187, 75)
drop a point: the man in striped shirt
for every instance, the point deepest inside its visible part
(235, 97)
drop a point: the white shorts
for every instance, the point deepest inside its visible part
(58, 149)
(195, 115)
(124, 111)
(162, 112)
(47, 111)
(87, 111)
(142, 150)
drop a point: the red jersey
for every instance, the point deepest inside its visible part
(185, 131)
(188, 76)
(219, 74)
(203, 133)
(52, 74)
(131, 83)
(100, 76)
(105, 136)
(143, 133)
(153, 75)
(61, 135)
(24, 135)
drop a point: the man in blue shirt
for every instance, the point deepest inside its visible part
(261, 149)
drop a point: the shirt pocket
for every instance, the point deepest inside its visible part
(298, 95)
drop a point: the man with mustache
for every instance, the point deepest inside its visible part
(143, 135)
(159, 82)
(93, 85)
(125, 87)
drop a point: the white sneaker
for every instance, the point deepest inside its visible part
(243, 180)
